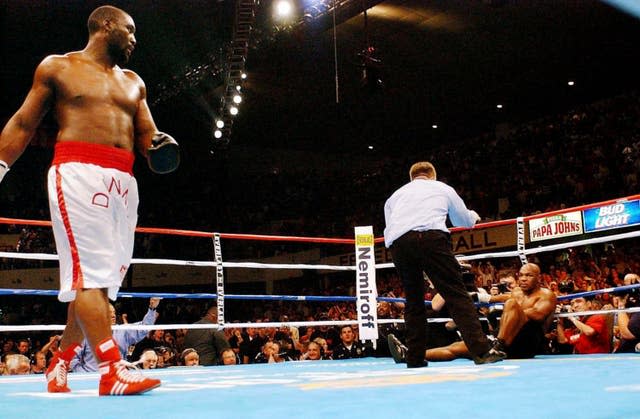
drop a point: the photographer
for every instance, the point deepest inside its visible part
(629, 323)
(589, 334)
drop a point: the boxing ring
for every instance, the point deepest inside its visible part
(593, 386)
(603, 386)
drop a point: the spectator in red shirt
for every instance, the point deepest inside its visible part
(590, 334)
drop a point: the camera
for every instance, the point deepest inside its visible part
(632, 298)
(502, 288)
(469, 280)
(565, 308)
(565, 286)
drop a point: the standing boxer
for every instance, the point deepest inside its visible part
(102, 114)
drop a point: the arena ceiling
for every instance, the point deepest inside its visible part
(442, 62)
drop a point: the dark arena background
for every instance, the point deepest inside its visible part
(295, 129)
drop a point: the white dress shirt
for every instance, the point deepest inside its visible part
(421, 205)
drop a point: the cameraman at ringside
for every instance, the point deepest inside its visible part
(629, 323)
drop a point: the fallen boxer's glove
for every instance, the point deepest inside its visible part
(164, 154)
(4, 168)
(480, 297)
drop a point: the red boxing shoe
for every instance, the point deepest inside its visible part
(57, 374)
(121, 378)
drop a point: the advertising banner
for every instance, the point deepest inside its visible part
(559, 225)
(618, 215)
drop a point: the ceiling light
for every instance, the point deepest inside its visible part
(283, 8)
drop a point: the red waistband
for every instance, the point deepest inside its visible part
(98, 154)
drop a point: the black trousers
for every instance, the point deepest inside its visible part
(430, 251)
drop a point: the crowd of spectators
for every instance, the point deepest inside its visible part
(586, 155)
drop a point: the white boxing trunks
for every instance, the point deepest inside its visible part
(93, 198)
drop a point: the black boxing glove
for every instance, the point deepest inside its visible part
(164, 154)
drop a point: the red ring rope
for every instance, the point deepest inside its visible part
(264, 237)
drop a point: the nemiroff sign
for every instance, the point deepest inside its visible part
(560, 225)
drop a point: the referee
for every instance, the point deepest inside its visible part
(417, 234)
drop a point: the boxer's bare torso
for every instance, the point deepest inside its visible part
(92, 103)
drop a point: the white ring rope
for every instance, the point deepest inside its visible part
(149, 327)
(593, 312)
(31, 328)
(256, 265)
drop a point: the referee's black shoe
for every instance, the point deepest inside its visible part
(493, 355)
(399, 353)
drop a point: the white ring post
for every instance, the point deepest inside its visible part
(367, 292)
(217, 253)
(521, 240)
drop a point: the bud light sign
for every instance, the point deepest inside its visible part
(622, 214)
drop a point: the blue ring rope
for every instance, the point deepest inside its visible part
(336, 298)
(7, 291)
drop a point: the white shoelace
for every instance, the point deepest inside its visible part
(61, 373)
(128, 372)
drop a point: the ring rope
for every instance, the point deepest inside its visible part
(322, 298)
(188, 326)
(597, 292)
(521, 252)
(593, 312)
(255, 265)
(123, 294)
(43, 327)
(263, 237)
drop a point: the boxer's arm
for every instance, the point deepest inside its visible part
(542, 308)
(23, 124)
(145, 127)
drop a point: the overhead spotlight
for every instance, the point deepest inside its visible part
(434, 126)
(370, 147)
(217, 133)
(237, 99)
(238, 88)
(243, 76)
(571, 83)
(219, 123)
(233, 110)
(499, 106)
(283, 8)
